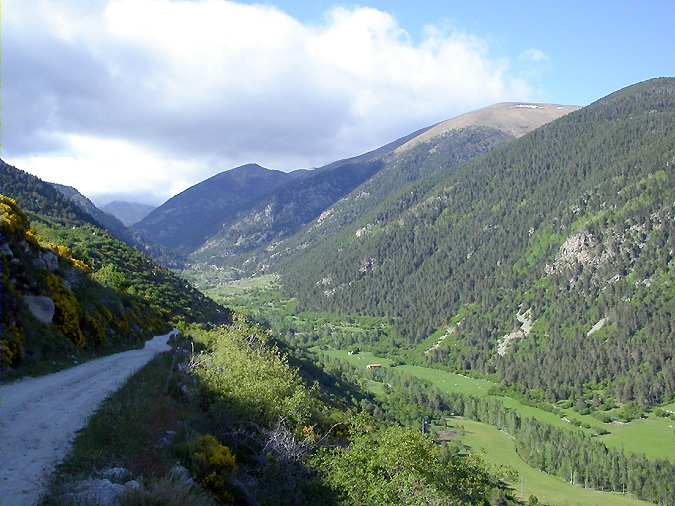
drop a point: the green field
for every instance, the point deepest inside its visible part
(360, 360)
(498, 449)
(652, 436)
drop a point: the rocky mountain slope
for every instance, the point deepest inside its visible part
(129, 213)
(569, 227)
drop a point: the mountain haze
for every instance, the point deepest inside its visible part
(103, 219)
(129, 213)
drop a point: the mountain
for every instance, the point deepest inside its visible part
(187, 220)
(129, 213)
(240, 216)
(554, 251)
(68, 285)
(438, 149)
(37, 196)
(103, 219)
(291, 206)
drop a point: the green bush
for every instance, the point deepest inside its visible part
(212, 464)
(246, 377)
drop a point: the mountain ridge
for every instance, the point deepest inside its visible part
(569, 221)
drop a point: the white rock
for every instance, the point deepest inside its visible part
(116, 474)
(181, 475)
(42, 308)
(97, 492)
(132, 485)
(5, 250)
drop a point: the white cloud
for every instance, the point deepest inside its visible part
(110, 94)
(534, 55)
(123, 167)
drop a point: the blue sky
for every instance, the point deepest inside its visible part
(140, 99)
(595, 46)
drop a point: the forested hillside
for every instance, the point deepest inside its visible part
(330, 199)
(556, 248)
(286, 210)
(442, 154)
(37, 196)
(101, 218)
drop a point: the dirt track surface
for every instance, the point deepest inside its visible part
(40, 416)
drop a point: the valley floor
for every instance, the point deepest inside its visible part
(652, 436)
(40, 416)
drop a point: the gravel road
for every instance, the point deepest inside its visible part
(40, 416)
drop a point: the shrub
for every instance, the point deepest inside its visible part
(212, 464)
(12, 219)
(67, 317)
(245, 377)
(397, 465)
(166, 492)
(11, 347)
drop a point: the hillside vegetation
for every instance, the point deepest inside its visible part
(51, 303)
(250, 430)
(71, 290)
(556, 249)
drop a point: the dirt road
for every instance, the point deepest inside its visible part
(40, 416)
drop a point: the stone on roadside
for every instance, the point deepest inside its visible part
(132, 485)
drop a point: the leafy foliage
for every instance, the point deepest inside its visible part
(120, 267)
(245, 377)
(396, 465)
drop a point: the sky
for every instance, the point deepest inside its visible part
(140, 99)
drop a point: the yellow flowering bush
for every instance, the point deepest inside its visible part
(12, 219)
(11, 347)
(212, 464)
(95, 329)
(67, 316)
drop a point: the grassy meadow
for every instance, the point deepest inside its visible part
(498, 448)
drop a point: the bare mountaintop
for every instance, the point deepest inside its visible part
(515, 118)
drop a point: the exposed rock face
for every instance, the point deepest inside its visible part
(601, 323)
(582, 248)
(116, 474)
(47, 261)
(526, 323)
(42, 308)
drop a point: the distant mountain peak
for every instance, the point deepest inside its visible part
(128, 213)
(514, 118)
